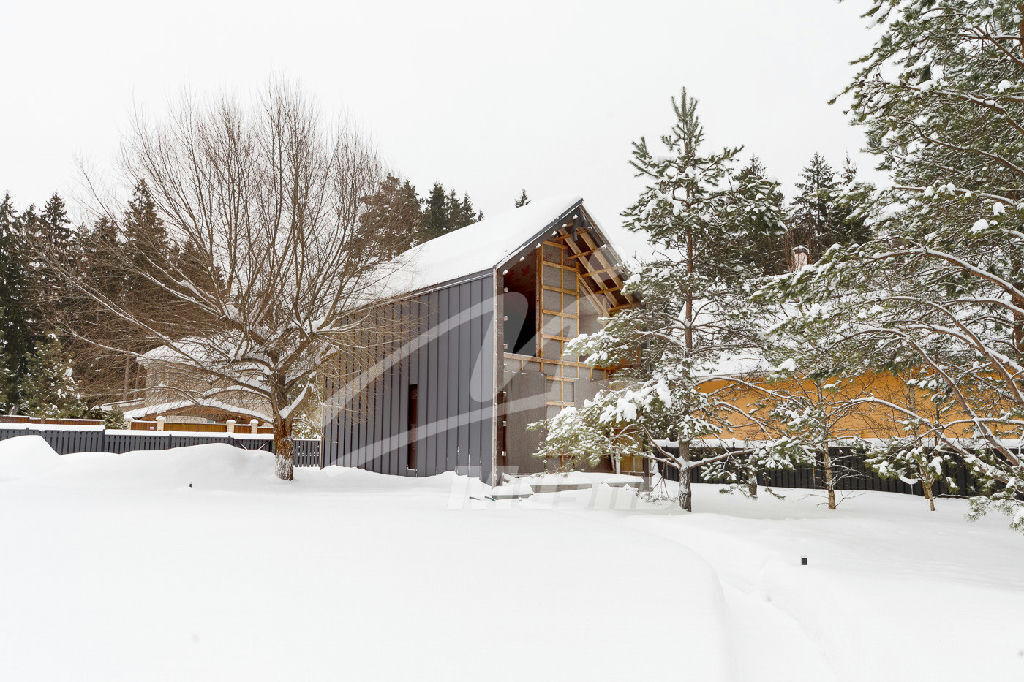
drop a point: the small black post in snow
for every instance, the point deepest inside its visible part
(803, 559)
(190, 485)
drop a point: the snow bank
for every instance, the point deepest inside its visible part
(214, 466)
(25, 456)
(123, 572)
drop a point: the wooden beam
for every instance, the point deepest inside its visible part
(548, 287)
(581, 254)
(586, 264)
(606, 263)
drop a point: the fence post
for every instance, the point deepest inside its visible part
(254, 424)
(231, 425)
(160, 423)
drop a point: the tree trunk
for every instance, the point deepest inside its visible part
(685, 492)
(927, 487)
(284, 448)
(830, 484)
(127, 377)
(752, 486)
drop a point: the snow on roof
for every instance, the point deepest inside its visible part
(191, 347)
(477, 247)
(158, 408)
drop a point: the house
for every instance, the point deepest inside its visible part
(176, 392)
(482, 317)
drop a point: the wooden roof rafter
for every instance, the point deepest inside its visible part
(576, 250)
(598, 275)
(607, 265)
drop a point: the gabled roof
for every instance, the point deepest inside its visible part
(489, 244)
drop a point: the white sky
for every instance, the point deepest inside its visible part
(486, 97)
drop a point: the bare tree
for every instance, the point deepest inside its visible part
(273, 273)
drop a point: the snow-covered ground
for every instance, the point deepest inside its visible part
(112, 568)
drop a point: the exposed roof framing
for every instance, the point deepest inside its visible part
(595, 264)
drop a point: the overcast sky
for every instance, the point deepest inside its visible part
(486, 97)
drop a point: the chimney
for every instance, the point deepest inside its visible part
(800, 254)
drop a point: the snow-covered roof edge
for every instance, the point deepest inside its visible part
(509, 246)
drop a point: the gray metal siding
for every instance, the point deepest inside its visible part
(450, 356)
(476, 339)
(376, 428)
(466, 361)
(487, 390)
(395, 392)
(430, 454)
(444, 379)
(422, 379)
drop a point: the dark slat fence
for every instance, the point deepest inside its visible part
(66, 441)
(855, 476)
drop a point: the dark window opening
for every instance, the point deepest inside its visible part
(502, 424)
(520, 306)
(411, 418)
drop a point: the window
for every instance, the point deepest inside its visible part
(411, 420)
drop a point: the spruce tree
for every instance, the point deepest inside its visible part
(48, 385)
(812, 216)
(104, 375)
(35, 372)
(143, 228)
(435, 213)
(56, 252)
(453, 208)
(393, 218)
(16, 304)
(461, 213)
(103, 253)
(148, 248)
(54, 226)
(766, 226)
(470, 214)
(829, 209)
(443, 212)
(856, 210)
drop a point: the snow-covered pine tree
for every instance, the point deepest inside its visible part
(942, 287)
(822, 391)
(766, 228)
(912, 460)
(695, 315)
(48, 386)
(523, 200)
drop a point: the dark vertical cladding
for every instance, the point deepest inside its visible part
(430, 406)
